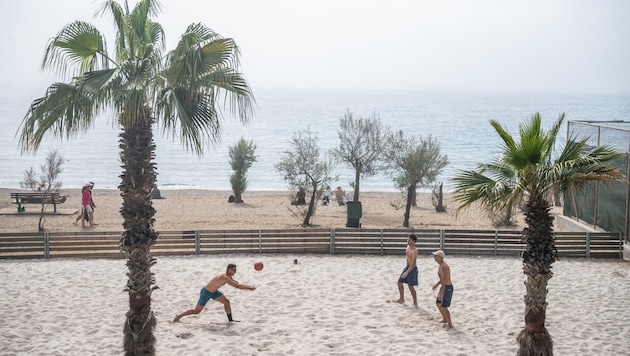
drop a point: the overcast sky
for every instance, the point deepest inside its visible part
(533, 46)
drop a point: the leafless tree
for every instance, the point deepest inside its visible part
(47, 181)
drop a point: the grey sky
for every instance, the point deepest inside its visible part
(540, 46)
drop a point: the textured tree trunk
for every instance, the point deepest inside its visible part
(414, 196)
(137, 180)
(40, 224)
(311, 207)
(507, 217)
(439, 207)
(538, 257)
(410, 192)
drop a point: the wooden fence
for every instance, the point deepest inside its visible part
(104, 244)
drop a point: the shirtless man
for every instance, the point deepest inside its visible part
(445, 294)
(211, 291)
(409, 274)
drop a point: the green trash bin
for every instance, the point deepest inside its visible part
(354, 213)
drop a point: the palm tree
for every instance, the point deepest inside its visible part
(501, 180)
(141, 86)
(536, 174)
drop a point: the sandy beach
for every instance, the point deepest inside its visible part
(332, 305)
(325, 305)
(207, 210)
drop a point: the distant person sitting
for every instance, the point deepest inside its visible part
(300, 198)
(326, 197)
(339, 196)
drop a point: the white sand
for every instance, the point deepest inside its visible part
(334, 305)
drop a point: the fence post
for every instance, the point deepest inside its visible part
(496, 241)
(46, 246)
(197, 243)
(588, 244)
(442, 239)
(620, 246)
(382, 243)
(332, 241)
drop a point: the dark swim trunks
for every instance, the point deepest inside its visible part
(412, 277)
(205, 295)
(447, 295)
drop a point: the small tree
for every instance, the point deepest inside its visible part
(241, 159)
(438, 198)
(47, 182)
(304, 168)
(412, 162)
(361, 143)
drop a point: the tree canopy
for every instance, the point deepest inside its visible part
(305, 167)
(413, 161)
(361, 145)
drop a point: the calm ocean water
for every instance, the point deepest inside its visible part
(459, 121)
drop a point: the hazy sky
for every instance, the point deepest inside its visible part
(540, 46)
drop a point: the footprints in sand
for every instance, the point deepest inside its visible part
(184, 336)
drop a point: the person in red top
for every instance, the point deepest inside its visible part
(88, 204)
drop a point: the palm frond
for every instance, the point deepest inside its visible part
(65, 111)
(97, 80)
(79, 47)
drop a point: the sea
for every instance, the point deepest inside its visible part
(458, 121)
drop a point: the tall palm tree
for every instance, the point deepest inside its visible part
(141, 86)
(537, 172)
(501, 179)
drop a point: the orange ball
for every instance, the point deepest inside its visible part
(258, 266)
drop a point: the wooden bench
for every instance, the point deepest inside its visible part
(37, 198)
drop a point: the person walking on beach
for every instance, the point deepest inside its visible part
(339, 196)
(445, 294)
(409, 274)
(211, 291)
(92, 203)
(81, 212)
(327, 194)
(87, 213)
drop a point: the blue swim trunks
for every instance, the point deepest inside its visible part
(205, 295)
(412, 277)
(447, 295)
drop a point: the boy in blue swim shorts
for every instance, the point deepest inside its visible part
(409, 274)
(445, 294)
(211, 291)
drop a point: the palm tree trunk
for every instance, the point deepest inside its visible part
(538, 257)
(137, 180)
(507, 218)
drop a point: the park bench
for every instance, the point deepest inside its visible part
(37, 198)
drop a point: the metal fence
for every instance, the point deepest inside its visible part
(95, 244)
(603, 205)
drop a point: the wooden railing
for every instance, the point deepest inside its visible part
(104, 244)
